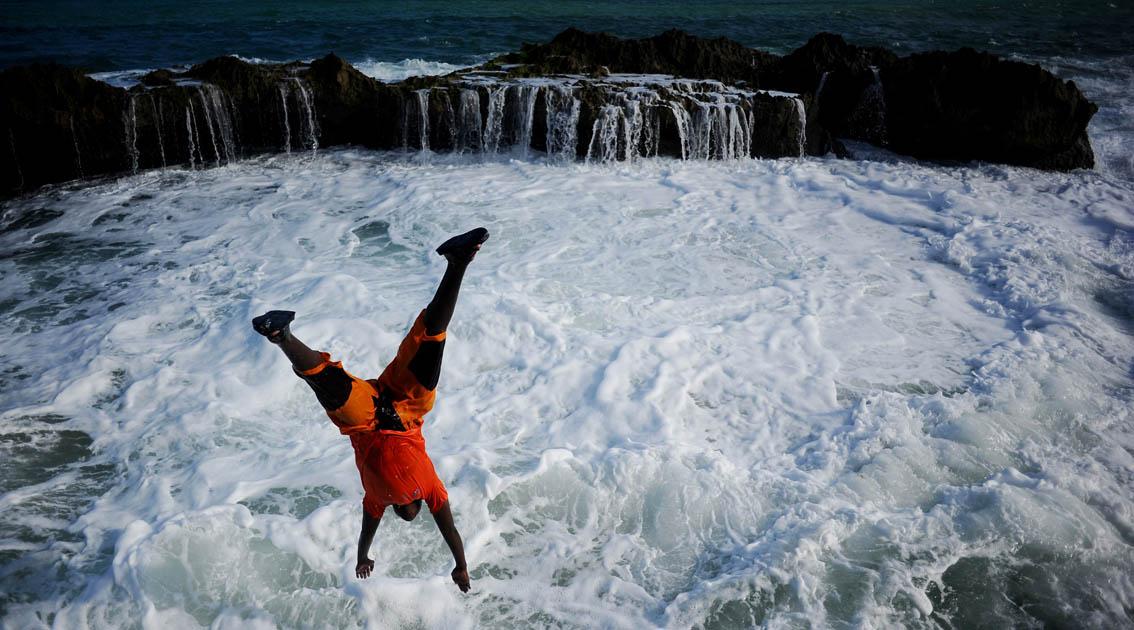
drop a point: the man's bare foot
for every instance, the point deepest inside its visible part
(461, 249)
(273, 325)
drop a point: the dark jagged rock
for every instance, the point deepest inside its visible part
(826, 53)
(778, 137)
(967, 105)
(349, 103)
(843, 80)
(673, 52)
(59, 125)
(158, 78)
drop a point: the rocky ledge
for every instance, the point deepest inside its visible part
(587, 96)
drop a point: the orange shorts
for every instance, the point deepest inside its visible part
(396, 401)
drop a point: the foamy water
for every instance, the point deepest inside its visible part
(789, 393)
(398, 70)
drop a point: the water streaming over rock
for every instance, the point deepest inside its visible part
(494, 124)
(562, 121)
(286, 120)
(604, 135)
(524, 114)
(155, 106)
(713, 125)
(193, 140)
(683, 123)
(423, 118)
(218, 113)
(209, 124)
(308, 129)
(470, 130)
(802, 113)
(625, 130)
(131, 124)
(614, 118)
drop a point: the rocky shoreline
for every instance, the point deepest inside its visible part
(587, 96)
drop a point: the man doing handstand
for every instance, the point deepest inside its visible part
(383, 416)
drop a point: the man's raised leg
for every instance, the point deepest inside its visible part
(459, 252)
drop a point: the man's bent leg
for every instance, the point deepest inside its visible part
(302, 358)
(348, 400)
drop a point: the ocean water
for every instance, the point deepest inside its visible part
(783, 393)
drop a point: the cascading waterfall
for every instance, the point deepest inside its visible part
(526, 99)
(626, 120)
(624, 131)
(701, 137)
(208, 125)
(604, 135)
(739, 132)
(160, 122)
(682, 122)
(131, 133)
(215, 101)
(74, 139)
(194, 139)
(635, 121)
(649, 133)
(719, 129)
(286, 122)
(470, 130)
(310, 132)
(799, 109)
(562, 121)
(494, 125)
(423, 111)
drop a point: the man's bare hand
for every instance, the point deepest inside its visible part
(461, 577)
(364, 567)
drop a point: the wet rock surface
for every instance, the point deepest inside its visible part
(968, 105)
(572, 98)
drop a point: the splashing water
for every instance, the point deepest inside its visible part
(812, 392)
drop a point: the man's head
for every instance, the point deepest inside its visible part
(409, 511)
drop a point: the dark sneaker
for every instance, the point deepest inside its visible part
(273, 324)
(464, 246)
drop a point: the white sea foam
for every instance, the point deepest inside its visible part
(398, 70)
(797, 392)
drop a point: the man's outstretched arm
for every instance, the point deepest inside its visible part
(365, 537)
(444, 520)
